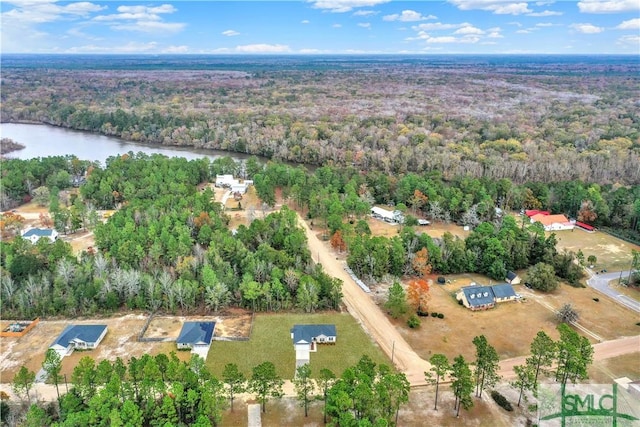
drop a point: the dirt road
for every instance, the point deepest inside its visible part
(367, 313)
(601, 351)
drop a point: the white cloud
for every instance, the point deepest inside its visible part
(230, 33)
(545, 13)
(312, 51)
(365, 12)
(364, 24)
(498, 7)
(631, 24)
(586, 28)
(495, 33)
(630, 39)
(131, 47)
(165, 8)
(143, 19)
(20, 31)
(263, 48)
(434, 26)
(341, 6)
(151, 27)
(176, 49)
(305, 21)
(408, 16)
(544, 24)
(523, 32)
(469, 29)
(337, 25)
(451, 39)
(516, 23)
(608, 6)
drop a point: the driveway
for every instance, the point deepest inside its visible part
(601, 281)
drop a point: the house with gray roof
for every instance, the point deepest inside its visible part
(78, 337)
(35, 234)
(306, 337)
(476, 297)
(195, 334)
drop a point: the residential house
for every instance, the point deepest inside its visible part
(35, 234)
(395, 217)
(512, 278)
(195, 335)
(225, 180)
(78, 337)
(306, 337)
(477, 297)
(553, 222)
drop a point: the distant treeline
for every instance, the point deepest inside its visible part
(538, 123)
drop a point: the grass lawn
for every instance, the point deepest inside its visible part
(271, 341)
(613, 254)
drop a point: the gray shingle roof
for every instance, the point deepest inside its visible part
(478, 295)
(308, 332)
(503, 290)
(196, 333)
(86, 333)
(511, 275)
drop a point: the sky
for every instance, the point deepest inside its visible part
(321, 27)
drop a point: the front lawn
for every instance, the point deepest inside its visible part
(271, 341)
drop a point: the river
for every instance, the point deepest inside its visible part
(45, 140)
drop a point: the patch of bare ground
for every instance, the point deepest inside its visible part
(510, 326)
(630, 291)
(604, 317)
(435, 229)
(613, 254)
(605, 371)
(121, 339)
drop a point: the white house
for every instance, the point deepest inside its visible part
(238, 188)
(553, 222)
(81, 337)
(225, 180)
(35, 234)
(306, 337)
(394, 217)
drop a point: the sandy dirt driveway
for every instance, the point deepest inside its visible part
(368, 314)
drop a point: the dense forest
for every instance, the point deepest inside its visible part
(527, 120)
(169, 248)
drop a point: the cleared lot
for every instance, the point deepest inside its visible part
(120, 341)
(511, 326)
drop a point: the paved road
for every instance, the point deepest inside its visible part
(601, 281)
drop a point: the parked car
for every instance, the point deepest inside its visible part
(528, 285)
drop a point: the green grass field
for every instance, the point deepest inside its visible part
(271, 341)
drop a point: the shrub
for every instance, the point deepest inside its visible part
(440, 316)
(413, 322)
(434, 314)
(501, 401)
(422, 313)
(596, 299)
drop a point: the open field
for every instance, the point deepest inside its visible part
(605, 371)
(120, 341)
(435, 229)
(271, 341)
(613, 254)
(511, 326)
